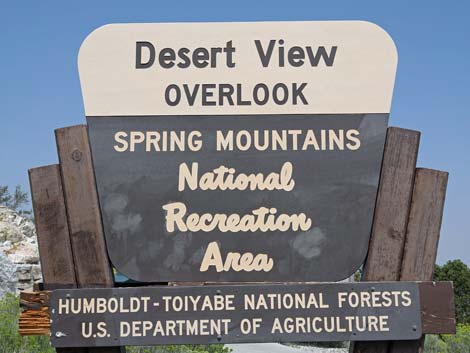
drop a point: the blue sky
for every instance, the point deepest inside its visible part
(40, 90)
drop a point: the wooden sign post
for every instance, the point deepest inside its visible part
(169, 181)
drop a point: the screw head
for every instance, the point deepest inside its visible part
(77, 155)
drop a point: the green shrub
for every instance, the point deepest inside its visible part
(12, 342)
(459, 273)
(458, 343)
(433, 344)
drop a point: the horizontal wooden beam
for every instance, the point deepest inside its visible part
(34, 318)
(437, 310)
(437, 307)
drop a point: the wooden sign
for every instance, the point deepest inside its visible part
(235, 313)
(237, 151)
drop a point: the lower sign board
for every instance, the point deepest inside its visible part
(235, 313)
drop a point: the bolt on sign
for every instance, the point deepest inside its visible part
(241, 313)
(237, 151)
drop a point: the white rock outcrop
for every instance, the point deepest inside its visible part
(8, 276)
(19, 256)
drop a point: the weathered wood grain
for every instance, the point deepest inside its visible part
(54, 247)
(437, 307)
(51, 227)
(419, 258)
(92, 265)
(34, 318)
(392, 206)
(424, 225)
(383, 261)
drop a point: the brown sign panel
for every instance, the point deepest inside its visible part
(207, 213)
(238, 313)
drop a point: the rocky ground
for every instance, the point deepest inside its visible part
(19, 256)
